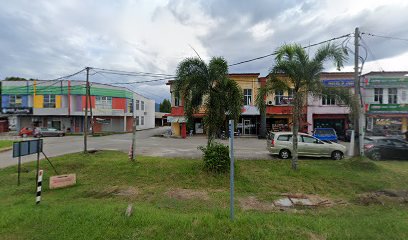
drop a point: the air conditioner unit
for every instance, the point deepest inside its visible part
(269, 103)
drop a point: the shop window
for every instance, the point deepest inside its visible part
(137, 104)
(142, 106)
(278, 97)
(15, 101)
(378, 95)
(103, 102)
(49, 101)
(142, 120)
(247, 96)
(392, 95)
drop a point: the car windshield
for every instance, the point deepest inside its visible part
(324, 131)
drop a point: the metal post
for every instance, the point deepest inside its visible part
(86, 112)
(19, 168)
(231, 155)
(133, 147)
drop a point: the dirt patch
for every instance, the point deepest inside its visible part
(384, 197)
(252, 203)
(187, 194)
(314, 236)
(288, 202)
(114, 191)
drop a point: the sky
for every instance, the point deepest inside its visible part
(49, 39)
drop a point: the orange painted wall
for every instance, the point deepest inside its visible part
(92, 102)
(119, 103)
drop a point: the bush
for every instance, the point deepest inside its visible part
(216, 157)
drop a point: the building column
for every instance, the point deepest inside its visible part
(124, 123)
(404, 127)
(184, 130)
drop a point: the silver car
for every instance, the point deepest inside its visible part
(280, 143)
(48, 132)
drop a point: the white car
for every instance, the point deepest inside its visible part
(280, 143)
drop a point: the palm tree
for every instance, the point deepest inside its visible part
(208, 86)
(303, 75)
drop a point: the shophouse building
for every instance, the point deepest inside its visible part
(61, 105)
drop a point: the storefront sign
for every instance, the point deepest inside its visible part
(176, 119)
(388, 108)
(17, 110)
(250, 110)
(338, 83)
(386, 82)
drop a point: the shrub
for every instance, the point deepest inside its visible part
(216, 157)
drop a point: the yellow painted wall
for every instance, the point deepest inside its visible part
(58, 101)
(175, 129)
(38, 101)
(248, 82)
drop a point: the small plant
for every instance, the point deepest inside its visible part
(216, 157)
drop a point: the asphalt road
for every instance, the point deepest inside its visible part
(147, 143)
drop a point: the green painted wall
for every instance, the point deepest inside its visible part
(58, 90)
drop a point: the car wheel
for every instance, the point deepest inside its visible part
(284, 154)
(376, 155)
(61, 135)
(337, 155)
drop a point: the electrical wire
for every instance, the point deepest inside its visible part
(387, 37)
(274, 53)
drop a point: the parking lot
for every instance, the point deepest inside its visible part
(149, 143)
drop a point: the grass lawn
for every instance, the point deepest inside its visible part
(175, 199)
(5, 143)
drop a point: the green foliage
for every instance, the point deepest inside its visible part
(94, 208)
(303, 74)
(216, 157)
(208, 86)
(165, 106)
(16, 79)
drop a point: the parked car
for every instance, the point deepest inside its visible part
(385, 148)
(325, 134)
(25, 132)
(280, 143)
(48, 132)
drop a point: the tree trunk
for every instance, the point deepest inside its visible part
(262, 132)
(295, 120)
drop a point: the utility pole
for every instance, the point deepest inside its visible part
(86, 112)
(358, 122)
(133, 147)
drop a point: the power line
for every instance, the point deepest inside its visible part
(120, 72)
(274, 53)
(387, 37)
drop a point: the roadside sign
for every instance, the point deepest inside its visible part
(29, 147)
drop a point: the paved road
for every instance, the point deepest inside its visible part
(147, 143)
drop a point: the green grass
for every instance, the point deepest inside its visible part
(90, 211)
(5, 144)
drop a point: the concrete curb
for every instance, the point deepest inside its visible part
(5, 149)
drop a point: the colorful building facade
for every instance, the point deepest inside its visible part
(61, 104)
(385, 97)
(326, 112)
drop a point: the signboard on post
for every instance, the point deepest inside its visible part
(29, 147)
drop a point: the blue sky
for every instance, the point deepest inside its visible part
(48, 39)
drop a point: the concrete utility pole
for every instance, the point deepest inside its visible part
(133, 147)
(86, 112)
(358, 122)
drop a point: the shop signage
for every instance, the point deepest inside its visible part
(17, 110)
(338, 82)
(388, 108)
(250, 110)
(384, 82)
